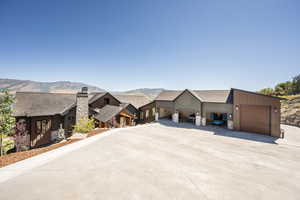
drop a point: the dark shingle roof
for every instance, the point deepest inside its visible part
(108, 112)
(95, 96)
(217, 96)
(135, 100)
(40, 104)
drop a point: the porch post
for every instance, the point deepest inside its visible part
(230, 122)
(175, 117)
(198, 119)
(156, 116)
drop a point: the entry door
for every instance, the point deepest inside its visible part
(41, 132)
(255, 119)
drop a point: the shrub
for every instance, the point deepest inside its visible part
(84, 125)
(7, 144)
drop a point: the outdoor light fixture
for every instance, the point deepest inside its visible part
(237, 107)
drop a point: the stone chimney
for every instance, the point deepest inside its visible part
(82, 104)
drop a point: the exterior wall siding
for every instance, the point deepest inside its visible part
(100, 103)
(217, 108)
(69, 121)
(248, 98)
(187, 104)
(144, 109)
(167, 105)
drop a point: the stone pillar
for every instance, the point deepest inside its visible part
(82, 104)
(156, 116)
(198, 119)
(175, 117)
(230, 124)
(203, 121)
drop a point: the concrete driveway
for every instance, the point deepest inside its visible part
(167, 161)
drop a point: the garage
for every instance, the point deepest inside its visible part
(257, 113)
(255, 118)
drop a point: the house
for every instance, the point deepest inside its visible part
(236, 109)
(40, 115)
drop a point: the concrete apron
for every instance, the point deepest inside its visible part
(15, 169)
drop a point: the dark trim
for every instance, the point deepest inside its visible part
(103, 96)
(258, 94)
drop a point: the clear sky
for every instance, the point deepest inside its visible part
(174, 44)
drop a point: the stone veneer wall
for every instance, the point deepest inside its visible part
(82, 109)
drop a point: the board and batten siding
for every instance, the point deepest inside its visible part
(147, 108)
(100, 103)
(248, 98)
(167, 105)
(187, 101)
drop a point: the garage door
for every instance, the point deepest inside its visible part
(255, 119)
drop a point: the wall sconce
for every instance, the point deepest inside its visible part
(275, 110)
(237, 107)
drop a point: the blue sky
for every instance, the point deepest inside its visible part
(174, 44)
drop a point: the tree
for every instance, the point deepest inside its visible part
(267, 91)
(285, 88)
(7, 121)
(296, 84)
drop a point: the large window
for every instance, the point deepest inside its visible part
(42, 126)
(147, 114)
(142, 115)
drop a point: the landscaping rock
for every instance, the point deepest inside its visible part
(290, 112)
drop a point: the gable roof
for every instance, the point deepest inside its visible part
(168, 95)
(215, 96)
(108, 112)
(134, 99)
(96, 95)
(41, 104)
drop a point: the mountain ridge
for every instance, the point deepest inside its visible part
(16, 85)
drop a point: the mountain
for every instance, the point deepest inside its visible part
(149, 92)
(14, 85)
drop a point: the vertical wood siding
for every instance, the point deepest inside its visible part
(248, 98)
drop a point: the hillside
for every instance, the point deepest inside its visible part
(14, 85)
(151, 93)
(290, 111)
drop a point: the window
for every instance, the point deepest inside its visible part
(43, 126)
(153, 111)
(147, 114)
(106, 101)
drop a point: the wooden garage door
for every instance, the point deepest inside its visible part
(255, 119)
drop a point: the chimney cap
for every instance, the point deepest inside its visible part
(84, 89)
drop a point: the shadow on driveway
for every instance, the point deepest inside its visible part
(222, 131)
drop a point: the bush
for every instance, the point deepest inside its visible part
(85, 125)
(8, 144)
